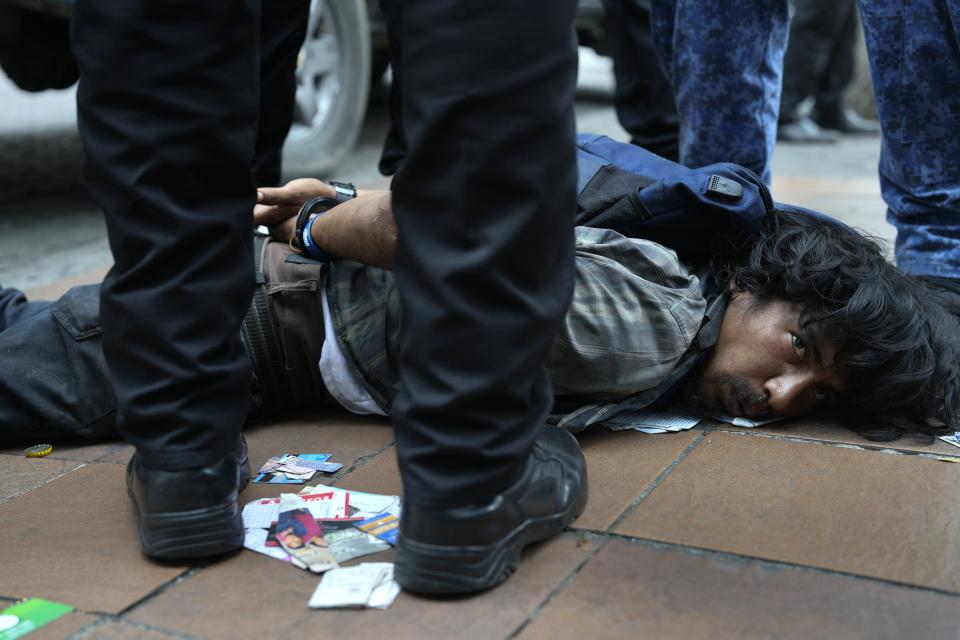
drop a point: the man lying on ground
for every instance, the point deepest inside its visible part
(808, 317)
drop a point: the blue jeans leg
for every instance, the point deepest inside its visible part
(53, 378)
(915, 62)
(725, 61)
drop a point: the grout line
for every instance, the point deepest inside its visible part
(80, 466)
(560, 586)
(163, 588)
(656, 482)
(93, 626)
(119, 446)
(777, 564)
(362, 461)
(878, 447)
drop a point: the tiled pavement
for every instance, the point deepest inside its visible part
(801, 531)
(796, 531)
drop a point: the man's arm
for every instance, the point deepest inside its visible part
(361, 229)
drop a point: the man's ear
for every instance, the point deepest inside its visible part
(740, 297)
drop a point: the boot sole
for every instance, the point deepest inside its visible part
(450, 570)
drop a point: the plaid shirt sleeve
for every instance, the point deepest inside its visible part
(636, 309)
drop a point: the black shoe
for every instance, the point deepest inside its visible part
(846, 121)
(191, 513)
(804, 130)
(468, 549)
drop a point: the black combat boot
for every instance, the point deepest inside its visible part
(189, 513)
(472, 548)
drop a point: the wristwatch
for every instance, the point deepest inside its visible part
(345, 191)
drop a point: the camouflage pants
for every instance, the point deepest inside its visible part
(725, 61)
(914, 49)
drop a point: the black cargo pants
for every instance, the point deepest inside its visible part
(484, 198)
(178, 102)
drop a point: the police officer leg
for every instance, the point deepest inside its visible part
(831, 110)
(283, 24)
(914, 54)
(484, 266)
(814, 29)
(725, 61)
(644, 97)
(395, 144)
(167, 108)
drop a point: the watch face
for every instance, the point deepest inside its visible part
(344, 191)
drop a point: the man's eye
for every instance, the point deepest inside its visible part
(798, 344)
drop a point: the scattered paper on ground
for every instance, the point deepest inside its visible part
(326, 505)
(662, 422)
(953, 438)
(295, 468)
(317, 530)
(299, 534)
(744, 422)
(385, 526)
(359, 504)
(369, 584)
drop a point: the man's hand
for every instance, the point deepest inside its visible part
(277, 207)
(276, 204)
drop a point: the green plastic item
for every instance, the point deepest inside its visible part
(22, 618)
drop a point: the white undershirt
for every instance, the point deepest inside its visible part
(336, 375)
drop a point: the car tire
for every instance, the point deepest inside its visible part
(333, 86)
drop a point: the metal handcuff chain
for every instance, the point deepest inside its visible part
(345, 191)
(318, 204)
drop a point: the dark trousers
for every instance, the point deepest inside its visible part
(173, 125)
(484, 200)
(14, 307)
(819, 60)
(644, 97)
(54, 383)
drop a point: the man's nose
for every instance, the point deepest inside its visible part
(785, 392)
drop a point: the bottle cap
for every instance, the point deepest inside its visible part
(38, 450)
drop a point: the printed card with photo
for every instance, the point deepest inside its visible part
(299, 534)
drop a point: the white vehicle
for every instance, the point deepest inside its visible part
(345, 49)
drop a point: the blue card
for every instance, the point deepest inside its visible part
(385, 526)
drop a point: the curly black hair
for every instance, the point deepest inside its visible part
(899, 345)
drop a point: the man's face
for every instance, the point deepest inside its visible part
(291, 539)
(765, 365)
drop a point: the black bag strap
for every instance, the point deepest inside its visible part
(260, 334)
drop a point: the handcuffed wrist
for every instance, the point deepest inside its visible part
(310, 246)
(305, 218)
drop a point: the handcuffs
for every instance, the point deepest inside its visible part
(320, 204)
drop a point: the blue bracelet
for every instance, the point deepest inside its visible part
(309, 247)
